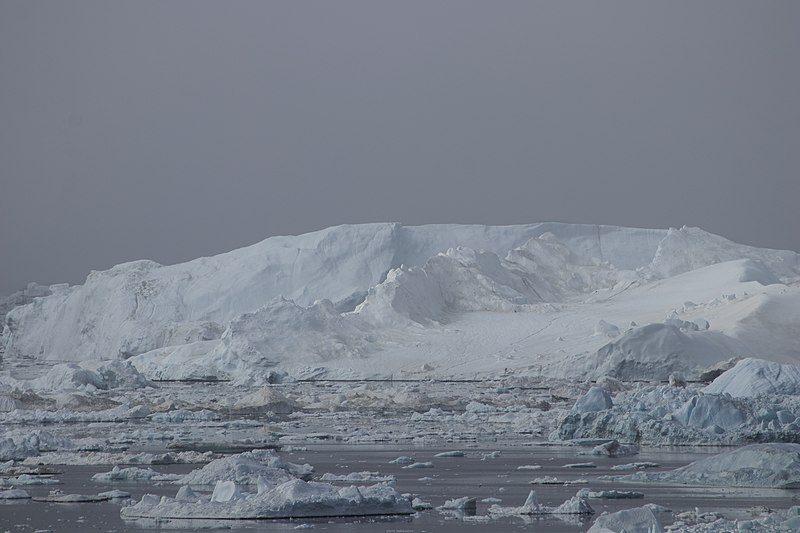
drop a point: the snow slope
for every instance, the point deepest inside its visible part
(427, 301)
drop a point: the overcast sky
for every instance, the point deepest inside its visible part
(171, 130)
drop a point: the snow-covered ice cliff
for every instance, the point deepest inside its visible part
(429, 301)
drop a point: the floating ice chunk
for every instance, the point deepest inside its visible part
(580, 465)
(596, 399)
(356, 476)
(615, 449)
(267, 399)
(615, 495)
(577, 505)
(133, 474)
(226, 491)
(419, 505)
(529, 467)
(56, 496)
(641, 519)
(402, 460)
(755, 377)
(246, 468)
(14, 494)
(465, 505)
(292, 499)
(419, 465)
(454, 453)
(491, 455)
(115, 494)
(545, 480)
(186, 494)
(27, 479)
(636, 466)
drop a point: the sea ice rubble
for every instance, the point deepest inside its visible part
(20, 443)
(668, 415)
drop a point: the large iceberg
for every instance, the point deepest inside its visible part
(773, 465)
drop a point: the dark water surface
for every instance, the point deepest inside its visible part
(451, 478)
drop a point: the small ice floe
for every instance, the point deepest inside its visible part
(638, 519)
(402, 460)
(419, 465)
(636, 466)
(615, 495)
(115, 494)
(27, 479)
(134, 474)
(465, 505)
(226, 491)
(426, 479)
(357, 476)
(545, 480)
(552, 480)
(529, 467)
(492, 455)
(419, 505)
(14, 494)
(577, 505)
(580, 465)
(454, 453)
(614, 449)
(491, 500)
(57, 496)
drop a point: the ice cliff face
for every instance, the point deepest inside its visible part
(350, 292)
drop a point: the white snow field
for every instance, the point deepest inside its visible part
(454, 344)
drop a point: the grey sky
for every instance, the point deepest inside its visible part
(170, 130)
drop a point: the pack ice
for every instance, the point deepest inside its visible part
(386, 300)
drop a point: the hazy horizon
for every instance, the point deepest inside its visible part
(174, 130)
